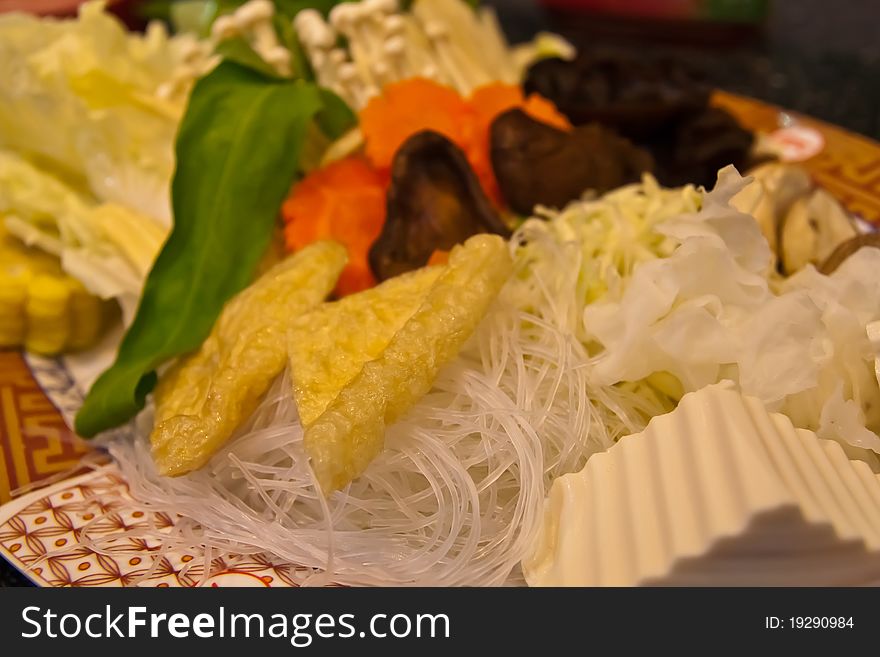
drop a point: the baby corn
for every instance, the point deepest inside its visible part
(41, 308)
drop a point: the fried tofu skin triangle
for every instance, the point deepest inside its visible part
(329, 345)
(205, 396)
(350, 432)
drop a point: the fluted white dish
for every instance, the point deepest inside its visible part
(717, 492)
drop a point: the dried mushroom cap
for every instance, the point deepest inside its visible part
(848, 248)
(635, 95)
(803, 224)
(661, 104)
(435, 201)
(703, 143)
(537, 164)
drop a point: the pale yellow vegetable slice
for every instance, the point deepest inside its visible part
(137, 237)
(350, 433)
(48, 313)
(202, 399)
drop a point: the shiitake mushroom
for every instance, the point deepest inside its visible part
(435, 201)
(696, 146)
(538, 164)
(661, 104)
(803, 224)
(635, 95)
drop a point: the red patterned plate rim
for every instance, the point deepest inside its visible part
(39, 535)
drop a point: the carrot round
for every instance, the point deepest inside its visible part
(408, 107)
(344, 201)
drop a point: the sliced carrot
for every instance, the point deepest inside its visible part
(408, 107)
(344, 201)
(489, 101)
(545, 111)
(439, 257)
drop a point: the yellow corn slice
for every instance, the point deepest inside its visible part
(88, 316)
(42, 308)
(47, 314)
(13, 295)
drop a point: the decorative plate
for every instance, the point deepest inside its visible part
(48, 496)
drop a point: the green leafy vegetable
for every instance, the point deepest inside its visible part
(238, 50)
(238, 152)
(197, 15)
(331, 123)
(193, 16)
(406, 5)
(335, 117)
(289, 8)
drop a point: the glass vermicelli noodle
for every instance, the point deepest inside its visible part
(456, 496)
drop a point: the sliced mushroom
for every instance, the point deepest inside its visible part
(435, 202)
(836, 225)
(845, 250)
(537, 164)
(798, 238)
(770, 195)
(812, 230)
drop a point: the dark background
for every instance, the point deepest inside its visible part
(814, 56)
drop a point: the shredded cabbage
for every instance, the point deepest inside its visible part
(610, 235)
(713, 309)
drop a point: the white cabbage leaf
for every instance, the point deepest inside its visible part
(713, 309)
(97, 102)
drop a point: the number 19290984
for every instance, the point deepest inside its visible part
(820, 622)
(809, 622)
